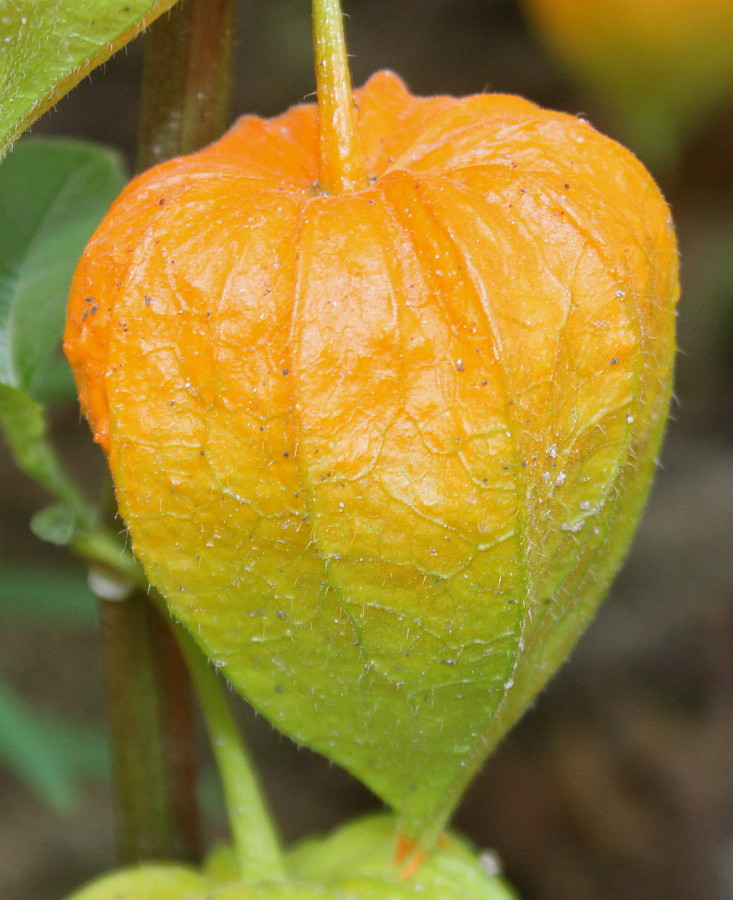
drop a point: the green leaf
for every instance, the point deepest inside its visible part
(53, 193)
(55, 524)
(47, 596)
(24, 423)
(48, 46)
(53, 383)
(51, 758)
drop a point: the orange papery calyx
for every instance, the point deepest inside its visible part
(382, 444)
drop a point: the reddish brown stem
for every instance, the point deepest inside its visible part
(186, 80)
(153, 771)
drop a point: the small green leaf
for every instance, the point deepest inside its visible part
(24, 423)
(53, 193)
(55, 524)
(51, 758)
(48, 46)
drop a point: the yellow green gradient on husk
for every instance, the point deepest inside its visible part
(383, 451)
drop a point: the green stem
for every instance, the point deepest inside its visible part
(342, 160)
(255, 840)
(102, 549)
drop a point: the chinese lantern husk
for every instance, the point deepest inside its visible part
(383, 451)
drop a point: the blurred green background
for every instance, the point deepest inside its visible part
(619, 783)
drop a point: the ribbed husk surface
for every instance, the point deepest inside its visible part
(383, 451)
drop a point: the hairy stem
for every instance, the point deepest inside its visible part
(255, 840)
(342, 161)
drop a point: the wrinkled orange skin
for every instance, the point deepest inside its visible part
(383, 451)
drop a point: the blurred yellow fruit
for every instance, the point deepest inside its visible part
(657, 66)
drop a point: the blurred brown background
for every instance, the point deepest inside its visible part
(619, 784)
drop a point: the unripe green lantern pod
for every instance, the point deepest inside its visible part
(382, 447)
